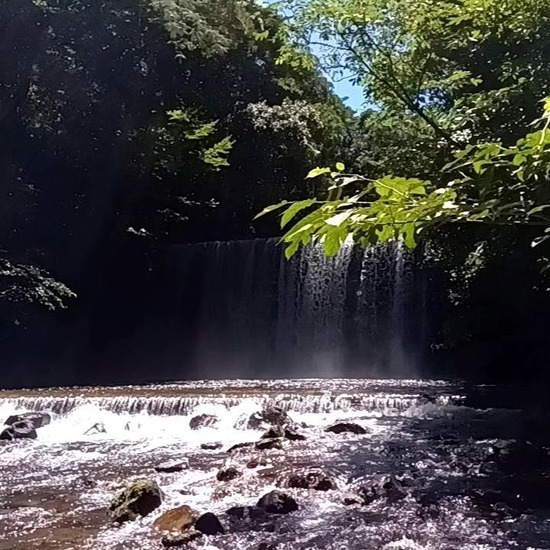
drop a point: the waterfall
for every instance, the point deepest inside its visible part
(259, 315)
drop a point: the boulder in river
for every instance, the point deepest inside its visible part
(175, 540)
(266, 444)
(209, 524)
(172, 466)
(228, 474)
(318, 481)
(176, 520)
(211, 446)
(37, 419)
(138, 499)
(268, 417)
(22, 429)
(203, 421)
(277, 502)
(386, 487)
(346, 427)
(292, 435)
(239, 446)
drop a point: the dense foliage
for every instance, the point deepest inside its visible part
(454, 88)
(160, 120)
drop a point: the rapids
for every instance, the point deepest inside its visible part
(55, 491)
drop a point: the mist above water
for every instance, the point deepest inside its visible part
(358, 313)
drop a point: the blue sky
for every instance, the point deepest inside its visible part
(352, 95)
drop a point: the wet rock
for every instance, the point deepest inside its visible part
(292, 435)
(266, 546)
(228, 474)
(37, 419)
(274, 432)
(386, 487)
(97, 428)
(312, 480)
(240, 446)
(255, 462)
(209, 524)
(266, 444)
(172, 466)
(138, 499)
(211, 446)
(22, 429)
(346, 427)
(277, 502)
(426, 398)
(271, 416)
(351, 500)
(203, 421)
(247, 513)
(181, 539)
(176, 520)
(283, 432)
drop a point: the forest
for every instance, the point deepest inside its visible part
(129, 127)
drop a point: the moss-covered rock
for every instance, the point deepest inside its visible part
(138, 499)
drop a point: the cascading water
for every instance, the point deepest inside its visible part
(421, 470)
(312, 316)
(56, 490)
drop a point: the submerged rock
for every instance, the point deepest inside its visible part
(22, 429)
(180, 539)
(277, 502)
(346, 427)
(37, 419)
(211, 446)
(138, 499)
(203, 421)
(318, 481)
(172, 466)
(228, 474)
(176, 520)
(247, 512)
(209, 524)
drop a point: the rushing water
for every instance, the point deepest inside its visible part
(55, 491)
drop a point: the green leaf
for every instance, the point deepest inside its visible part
(340, 167)
(270, 208)
(294, 208)
(316, 172)
(339, 219)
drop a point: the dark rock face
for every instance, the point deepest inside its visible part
(22, 429)
(273, 416)
(266, 546)
(171, 466)
(209, 524)
(277, 502)
(37, 419)
(346, 427)
(203, 421)
(265, 444)
(138, 499)
(312, 480)
(228, 474)
(211, 446)
(176, 540)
